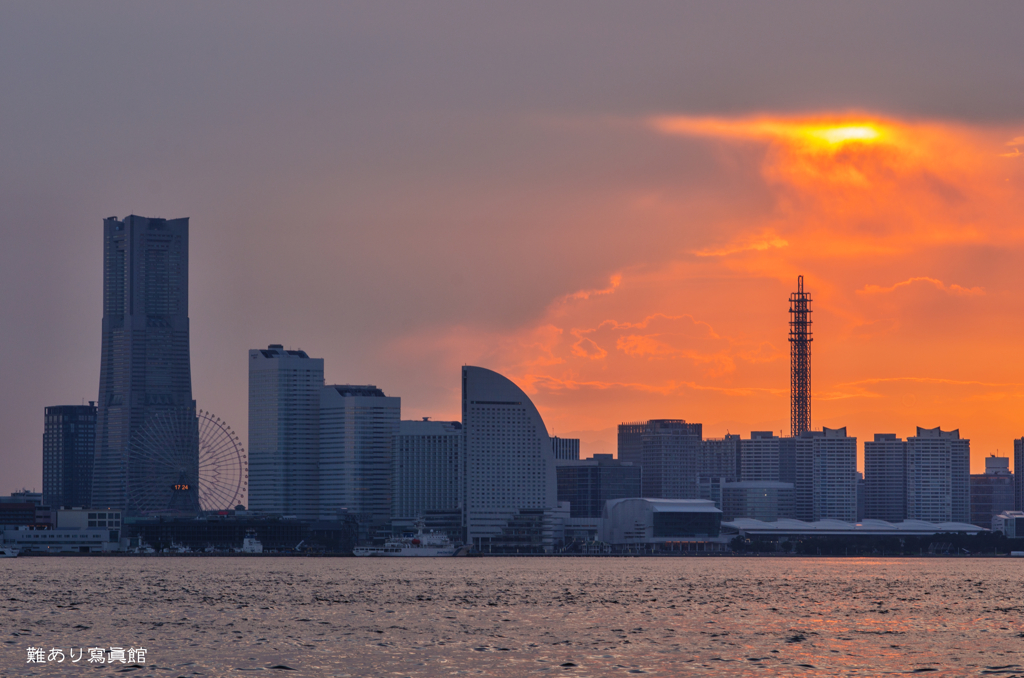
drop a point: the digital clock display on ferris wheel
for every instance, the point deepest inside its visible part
(181, 487)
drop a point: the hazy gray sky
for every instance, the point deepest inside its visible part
(363, 178)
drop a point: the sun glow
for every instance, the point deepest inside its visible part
(825, 132)
(844, 133)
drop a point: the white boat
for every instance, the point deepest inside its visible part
(251, 544)
(8, 552)
(422, 544)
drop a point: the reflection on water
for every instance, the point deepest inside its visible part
(514, 617)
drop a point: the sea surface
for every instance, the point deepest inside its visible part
(735, 616)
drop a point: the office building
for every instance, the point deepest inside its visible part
(427, 469)
(509, 463)
(669, 459)
(938, 476)
(69, 442)
(631, 442)
(759, 457)
(284, 431)
(991, 491)
(835, 475)
(358, 425)
(565, 448)
(885, 478)
(145, 374)
(587, 484)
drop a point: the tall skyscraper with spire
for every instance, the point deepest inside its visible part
(800, 359)
(145, 371)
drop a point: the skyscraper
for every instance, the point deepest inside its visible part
(427, 468)
(800, 359)
(671, 448)
(69, 443)
(509, 463)
(631, 442)
(144, 364)
(358, 425)
(938, 476)
(885, 478)
(284, 431)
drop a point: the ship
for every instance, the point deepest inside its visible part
(422, 544)
(8, 552)
(251, 544)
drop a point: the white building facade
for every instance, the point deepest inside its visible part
(509, 462)
(284, 431)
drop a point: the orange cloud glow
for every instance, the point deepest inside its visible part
(879, 214)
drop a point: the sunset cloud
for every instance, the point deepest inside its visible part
(856, 204)
(938, 284)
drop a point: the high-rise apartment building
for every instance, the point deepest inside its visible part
(1018, 474)
(358, 425)
(565, 448)
(671, 448)
(69, 442)
(144, 363)
(759, 457)
(427, 468)
(938, 476)
(588, 483)
(991, 491)
(835, 475)
(284, 431)
(796, 466)
(509, 463)
(885, 478)
(720, 458)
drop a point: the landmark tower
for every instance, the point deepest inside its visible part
(145, 373)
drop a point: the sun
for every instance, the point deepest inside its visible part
(840, 134)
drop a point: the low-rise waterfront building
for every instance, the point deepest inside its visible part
(759, 499)
(656, 522)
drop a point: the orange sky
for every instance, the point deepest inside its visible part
(908, 233)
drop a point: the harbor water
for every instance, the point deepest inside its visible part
(788, 616)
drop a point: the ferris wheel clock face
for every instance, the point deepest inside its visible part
(186, 459)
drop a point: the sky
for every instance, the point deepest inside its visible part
(609, 203)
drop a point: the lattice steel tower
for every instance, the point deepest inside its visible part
(800, 359)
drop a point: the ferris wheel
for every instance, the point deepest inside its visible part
(188, 460)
